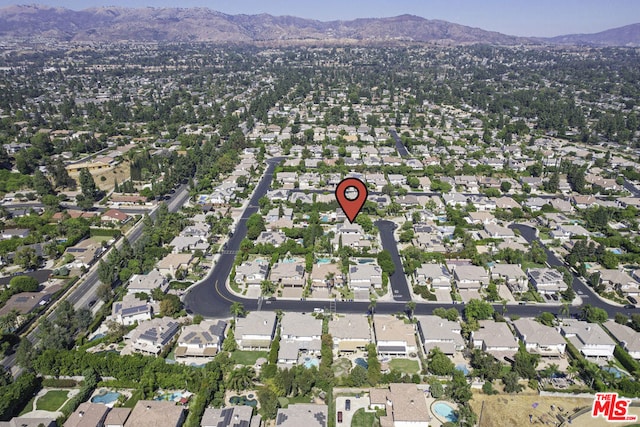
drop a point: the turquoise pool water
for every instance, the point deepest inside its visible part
(365, 260)
(616, 251)
(242, 400)
(288, 261)
(445, 411)
(463, 368)
(325, 218)
(171, 397)
(311, 361)
(324, 261)
(615, 371)
(106, 398)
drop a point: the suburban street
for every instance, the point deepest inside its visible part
(398, 280)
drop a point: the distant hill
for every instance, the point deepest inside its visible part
(628, 35)
(112, 24)
(201, 24)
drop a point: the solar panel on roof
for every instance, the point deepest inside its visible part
(207, 336)
(281, 418)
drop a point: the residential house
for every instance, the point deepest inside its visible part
(535, 203)
(275, 238)
(496, 339)
(513, 276)
(393, 336)
(434, 331)
(131, 310)
(589, 338)
(18, 233)
(156, 413)
(435, 275)
(469, 276)
(584, 202)
(231, 416)
(628, 338)
(496, 231)
(115, 216)
(117, 417)
(365, 276)
(202, 341)
(171, 263)
(507, 203)
(303, 414)
(24, 421)
(182, 244)
(547, 280)
(84, 253)
(619, 280)
(288, 273)
(88, 415)
(350, 333)
(540, 339)
(252, 273)
(298, 333)
(153, 336)
(256, 330)
(327, 275)
(404, 404)
(148, 282)
(397, 179)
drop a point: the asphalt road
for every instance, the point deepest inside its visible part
(86, 290)
(398, 280)
(402, 150)
(587, 294)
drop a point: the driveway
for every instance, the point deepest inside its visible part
(361, 402)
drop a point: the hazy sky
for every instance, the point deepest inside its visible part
(515, 17)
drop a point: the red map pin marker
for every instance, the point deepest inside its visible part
(351, 205)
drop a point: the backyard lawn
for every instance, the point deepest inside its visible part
(364, 419)
(405, 365)
(247, 357)
(53, 400)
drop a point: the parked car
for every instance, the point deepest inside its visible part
(339, 416)
(629, 306)
(632, 300)
(347, 405)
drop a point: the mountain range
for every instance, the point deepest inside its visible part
(113, 24)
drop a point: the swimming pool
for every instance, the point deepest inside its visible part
(617, 373)
(106, 397)
(98, 336)
(445, 411)
(311, 361)
(171, 397)
(616, 251)
(463, 368)
(365, 260)
(323, 261)
(361, 362)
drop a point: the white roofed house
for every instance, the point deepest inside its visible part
(393, 336)
(496, 339)
(181, 244)
(435, 275)
(288, 273)
(469, 277)
(153, 336)
(619, 280)
(147, 283)
(540, 339)
(547, 280)
(513, 276)
(365, 276)
(256, 330)
(628, 338)
(131, 310)
(201, 341)
(434, 331)
(589, 338)
(350, 332)
(298, 333)
(275, 238)
(251, 273)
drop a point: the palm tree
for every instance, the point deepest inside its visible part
(564, 310)
(410, 308)
(237, 310)
(241, 379)
(330, 280)
(372, 307)
(9, 321)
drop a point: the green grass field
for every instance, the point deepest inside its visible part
(405, 365)
(52, 401)
(364, 419)
(247, 357)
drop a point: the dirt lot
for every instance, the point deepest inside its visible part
(122, 172)
(514, 410)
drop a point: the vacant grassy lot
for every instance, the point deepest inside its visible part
(364, 419)
(405, 365)
(52, 401)
(247, 357)
(514, 409)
